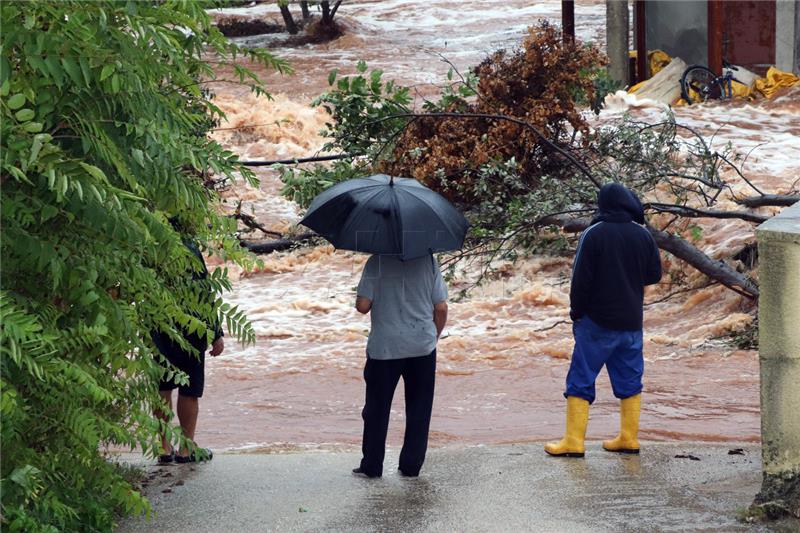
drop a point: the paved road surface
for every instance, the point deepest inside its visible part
(495, 488)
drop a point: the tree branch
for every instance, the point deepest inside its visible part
(251, 222)
(718, 270)
(278, 245)
(335, 9)
(692, 212)
(780, 200)
(488, 116)
(682, 249)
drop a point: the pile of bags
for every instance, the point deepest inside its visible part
(664, 85)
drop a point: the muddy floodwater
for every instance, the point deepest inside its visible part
(505, 352)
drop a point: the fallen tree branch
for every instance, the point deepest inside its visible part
(764, 200)
(488, 116)
(252, 223)
(278, 245)
(297, 160)
(684, 250)
(693, 212)
(718, 270)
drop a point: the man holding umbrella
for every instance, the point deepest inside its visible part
(402, 223)
(408, 305)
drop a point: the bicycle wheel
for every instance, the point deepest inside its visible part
(699, 84)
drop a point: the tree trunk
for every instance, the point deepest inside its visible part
(680, 248)
(718, 270)
(291, 26)
(278, 245)
(617, 40)
(780, 200)
(326, 12)
(304, 9)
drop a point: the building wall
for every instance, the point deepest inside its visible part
(787, 36)
(678, 28)
(779, 348)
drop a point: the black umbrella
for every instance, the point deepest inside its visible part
(386, 215)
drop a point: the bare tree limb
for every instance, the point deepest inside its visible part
(780, 200)
(692, 212)
(335, 9)
(279, 245)
(252, 223)
(682, 249)
(718, 270)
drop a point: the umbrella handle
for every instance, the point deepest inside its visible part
(391, 181)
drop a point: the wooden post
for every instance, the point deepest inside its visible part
(715, 35)
(641, 41)
(568, 20)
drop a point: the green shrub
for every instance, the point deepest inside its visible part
(360, 106)
(103, 122)
(604, 84)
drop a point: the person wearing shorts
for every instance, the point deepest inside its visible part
(192, 363)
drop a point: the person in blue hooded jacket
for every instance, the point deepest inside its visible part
(616, 258)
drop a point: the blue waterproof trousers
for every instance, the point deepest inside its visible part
(595, 346)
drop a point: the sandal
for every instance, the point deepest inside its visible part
(166, 458)
(200, 454)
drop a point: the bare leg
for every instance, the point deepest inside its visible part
(166, 397)
(188, 407)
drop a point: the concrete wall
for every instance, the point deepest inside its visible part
(787, 35)
(779, 351)
(678, 28)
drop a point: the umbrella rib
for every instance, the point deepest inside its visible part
(355, 209)
(334, 198)
(429, 206)
(399, 219)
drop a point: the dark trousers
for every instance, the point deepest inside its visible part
(381, 376)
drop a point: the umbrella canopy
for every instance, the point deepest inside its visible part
(385, 215)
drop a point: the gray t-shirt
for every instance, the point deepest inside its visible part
(403, 294)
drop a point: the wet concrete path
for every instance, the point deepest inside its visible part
(493, 488)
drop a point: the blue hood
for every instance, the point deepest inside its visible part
(617, 203)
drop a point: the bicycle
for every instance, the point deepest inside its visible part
(700, 83)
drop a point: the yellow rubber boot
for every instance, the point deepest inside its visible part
(628, 439)
(577, 419)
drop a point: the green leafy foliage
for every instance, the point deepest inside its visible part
(302, 184)
(604, 84)
(456, 93)
(359, 106)
(103, 140)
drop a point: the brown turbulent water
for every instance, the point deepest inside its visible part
(505, 352)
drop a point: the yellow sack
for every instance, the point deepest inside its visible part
(740, 90)
(774, 80)
(636, 87)
(656, 60)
